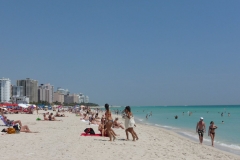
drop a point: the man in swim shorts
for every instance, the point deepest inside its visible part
(200, 129)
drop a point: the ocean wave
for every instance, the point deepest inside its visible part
(233, 146)
(194, 136)
(170, 127)
(140, 120)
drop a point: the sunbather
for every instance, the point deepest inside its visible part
(94, 121)
(52, 118)
(8, 122)
(59, 115)
(103, 130)
(24, 128)
(116, 124)
(45, 118)
(85, 117)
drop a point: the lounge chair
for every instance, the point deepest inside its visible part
(8, 123)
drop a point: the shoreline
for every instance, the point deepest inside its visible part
(62, 140)
(217, 147)
(190, 135)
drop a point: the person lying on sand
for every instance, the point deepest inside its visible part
(96, 116)
(94, 121)
(116, 124)
(59, 115)
(52, 118)
(24, 128)
(85, 117)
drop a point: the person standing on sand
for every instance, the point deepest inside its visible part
(109, 122)
(130, 123)
(200, 129)
(37, 109)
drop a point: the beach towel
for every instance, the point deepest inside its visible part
(92, 135)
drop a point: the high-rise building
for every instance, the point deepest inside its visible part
(45, 93)
(62, 91)
(58, 97)
(17, 91)
(74, 98)
(86, 99)
(30, 88)
(83, 98)
(5, 90)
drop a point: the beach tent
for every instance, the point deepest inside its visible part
(23, 105)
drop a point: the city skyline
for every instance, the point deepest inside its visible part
(28, 91)
(135, 53)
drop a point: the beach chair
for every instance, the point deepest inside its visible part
(9, 123)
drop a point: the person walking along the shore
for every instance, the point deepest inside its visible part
(130, 123)
(211, 131)
(200, 129)
(109, 122)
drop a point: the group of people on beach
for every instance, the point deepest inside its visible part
(107, 124)
(50, 117)
(24, 128)
(201, 129)
(18, 123)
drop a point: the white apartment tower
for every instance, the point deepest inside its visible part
(5, 90)
(45, 93)
(17, 91)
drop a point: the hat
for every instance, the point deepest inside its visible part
(201, 117)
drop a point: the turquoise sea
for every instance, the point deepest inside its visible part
(227, 134)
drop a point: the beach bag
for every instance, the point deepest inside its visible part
(11, 131)
(89, 131)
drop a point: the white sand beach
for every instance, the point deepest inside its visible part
(62, 140)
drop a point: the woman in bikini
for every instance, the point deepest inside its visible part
(45, 117)
(109, 122)
(211, 131)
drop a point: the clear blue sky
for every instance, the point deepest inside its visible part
(126, 52)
